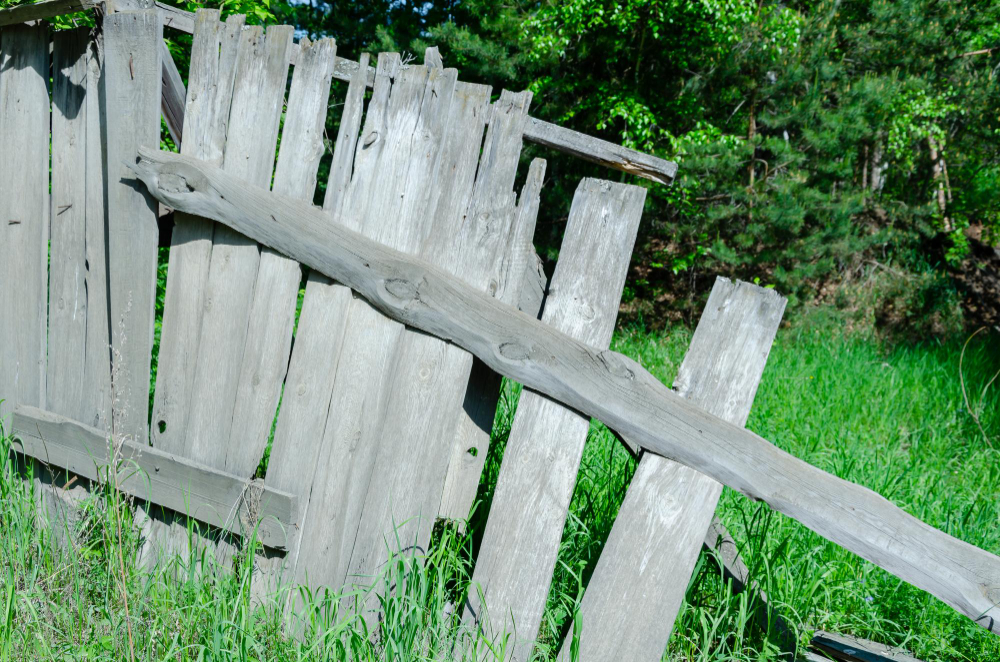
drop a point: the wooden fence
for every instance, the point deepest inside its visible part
(421, 289)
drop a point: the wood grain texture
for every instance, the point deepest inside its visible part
(518, 553)
(475, 420)
(605, 385)
(209, 95)
(132, 118)
(412, 130)
(67, 343)
(429, 380)
(252, 136)
(96, 406)
(272, 313)
(206, 494)
(172, 95)
(640, 580)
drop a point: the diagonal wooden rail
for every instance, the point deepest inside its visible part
(605, 385)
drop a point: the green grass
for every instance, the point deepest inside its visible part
(892, 418)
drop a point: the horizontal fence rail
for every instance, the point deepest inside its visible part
(605, 385)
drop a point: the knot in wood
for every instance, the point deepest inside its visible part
(403, 289)
(514, 350)
(614, 365)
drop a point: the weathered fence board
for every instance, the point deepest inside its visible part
(605, 385)
(638, 586)
(172, 97)
(530, 504)
(132, 118)
(272, 314)
(475, 423)
(208, 495)
(210, 89)
(398, 215)
(24, 216)
(255, 114)
(424, 396)
(313, 364)
(95, 407)
(67, 343)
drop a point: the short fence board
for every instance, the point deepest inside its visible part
(521, 542)
(24, 216)
(637, 588)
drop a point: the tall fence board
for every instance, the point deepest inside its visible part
(67, 344)
(132, 118)
(254, 117)
(272, 314)
(413, 129)
(637, 588)
(518, 553)
(424, 397)
(24, 216)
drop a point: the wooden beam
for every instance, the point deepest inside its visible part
(845, 648)
(43, 10)
(605, 385)
(207, 495)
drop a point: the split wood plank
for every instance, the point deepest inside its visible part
(399, 214)
(172, 96)
(657, 536)
(272, 313)
(518, 553)
(472, 240)
(845, 648)
(206, 120)
(605, 385)
(206, 494)
(475, 425)
(132, 118)
(67, 343)
(96, 403)
(254, 118)
(24, 217)
(313, 365)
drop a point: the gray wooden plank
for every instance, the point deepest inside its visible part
(272, 313)
(208, 495)
(518, 553)
(254, 118)
(410, 130)
(210, 80)
(638, 586)
(172, 95)
(854, 649)
(606, 385)
(475, 424)
(414, 437)
(313, 364)
(67, 344)
(132, 118)
(24, 213)
(96, 405)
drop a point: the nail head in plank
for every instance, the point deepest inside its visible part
(605, 385)
(658, 534)
(208, 495)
